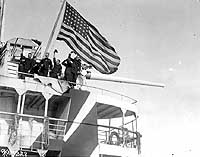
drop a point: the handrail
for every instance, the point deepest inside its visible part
(33, 116)
(102, 89)
(57, 119)
(58, 130)
(93, 87)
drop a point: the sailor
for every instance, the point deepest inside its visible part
(73, 68)
(25, 64)
(21, 66)
(68, 76)
(35, 67)
(45, 65)
(76, 68)
(57, 68)
(28, 63)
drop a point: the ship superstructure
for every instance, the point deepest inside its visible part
(41, 116)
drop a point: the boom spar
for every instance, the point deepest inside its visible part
(102, 77)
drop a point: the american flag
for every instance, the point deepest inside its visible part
(87, 42)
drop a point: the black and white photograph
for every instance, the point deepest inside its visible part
(99, 78)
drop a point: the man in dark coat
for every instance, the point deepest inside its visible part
(68, 76)
(73, 67)
(21, 66)
(28, 64)
(45, 65)
(25, 65)
(35, 67)
(57, 68)
(76, 68)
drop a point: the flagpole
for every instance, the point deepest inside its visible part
(54, 27)
(2, 3)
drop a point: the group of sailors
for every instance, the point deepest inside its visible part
(29, 66)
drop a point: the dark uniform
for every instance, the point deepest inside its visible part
(21, 66)
(25, 65)
(35, 67)
(57, 69)
(68, 76)
(45, 66)
(28, 65)
(73, 67)
(76, 68)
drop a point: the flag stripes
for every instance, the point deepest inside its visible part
(84, 58)
(105, 56)
(87, 42)
(103, 52)
(81, 48)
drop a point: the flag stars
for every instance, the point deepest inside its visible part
(75, 26)
(76, 22)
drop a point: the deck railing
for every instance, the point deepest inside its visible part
(119, 136)
(34, 132)
(30, 131)
(80, 85)
(103, 91)
(53, 128)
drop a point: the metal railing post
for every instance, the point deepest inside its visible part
(20, 92)
(47, 96)
(23, 101)
(45, 136)
(123, 123)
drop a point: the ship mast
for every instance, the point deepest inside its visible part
(54, 27)
(2, 4)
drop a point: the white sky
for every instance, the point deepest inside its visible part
(157, 40)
